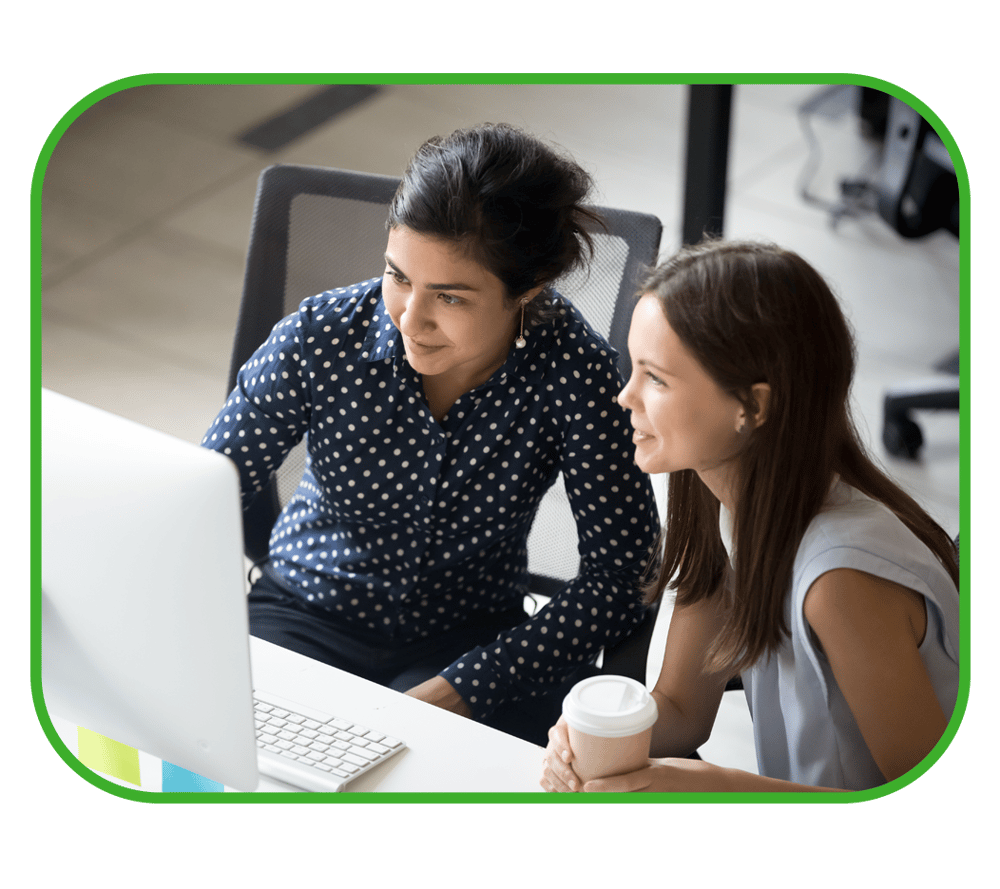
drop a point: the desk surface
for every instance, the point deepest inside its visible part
(445, 752)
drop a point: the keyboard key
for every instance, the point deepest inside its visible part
(357, 760)
(337, 762)
(315, 740)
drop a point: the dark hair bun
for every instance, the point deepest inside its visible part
(514, 202)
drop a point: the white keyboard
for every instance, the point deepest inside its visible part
(313, 750)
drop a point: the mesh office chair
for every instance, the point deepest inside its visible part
(315, 229)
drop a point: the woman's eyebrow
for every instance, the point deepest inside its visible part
(459, 286)
(643, 362)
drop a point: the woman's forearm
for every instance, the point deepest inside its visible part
(675, 733)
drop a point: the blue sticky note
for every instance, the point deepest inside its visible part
(178, 780)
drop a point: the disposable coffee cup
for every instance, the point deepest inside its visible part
(610, 721)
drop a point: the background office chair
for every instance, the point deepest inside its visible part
(315, 229)
(917, 193)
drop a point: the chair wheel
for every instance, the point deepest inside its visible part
(902, 437)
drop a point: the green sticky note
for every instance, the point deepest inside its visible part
(107, 756)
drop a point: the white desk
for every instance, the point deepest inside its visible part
(445, 752)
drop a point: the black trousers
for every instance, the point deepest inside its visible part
(284, 619)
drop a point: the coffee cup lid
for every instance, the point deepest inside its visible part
(609, 706)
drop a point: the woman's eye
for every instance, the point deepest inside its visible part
(656, 381)
(396, 276)
(450, 300)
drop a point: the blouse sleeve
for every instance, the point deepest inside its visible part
(267, 413)
(615, 512)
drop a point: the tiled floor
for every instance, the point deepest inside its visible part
(148, 199)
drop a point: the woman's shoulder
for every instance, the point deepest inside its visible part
(856, 531)
(356, 299)
(337, 319)
(572, 337)
(851, 518)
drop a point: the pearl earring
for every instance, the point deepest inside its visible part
(521, 342)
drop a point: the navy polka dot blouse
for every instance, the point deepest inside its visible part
(408, 527)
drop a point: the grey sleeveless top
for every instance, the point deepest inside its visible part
(803, 729)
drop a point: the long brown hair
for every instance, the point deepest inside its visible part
(755, 313)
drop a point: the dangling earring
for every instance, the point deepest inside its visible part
(521, 342)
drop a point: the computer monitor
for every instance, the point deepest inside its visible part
(144, 621)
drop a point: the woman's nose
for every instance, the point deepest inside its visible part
(625, 396)
(418, 315)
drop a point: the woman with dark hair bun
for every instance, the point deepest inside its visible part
(440, 402)
(796, 562)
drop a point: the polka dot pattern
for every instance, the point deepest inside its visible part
(408, 527)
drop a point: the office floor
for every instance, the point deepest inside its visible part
(148, 199)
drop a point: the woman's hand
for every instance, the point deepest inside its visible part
(666, 776)
(557, 773)
(441, 693)
(661, 775)
(690, 776)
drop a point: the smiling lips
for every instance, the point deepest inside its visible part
(638, 436)
(423, 347)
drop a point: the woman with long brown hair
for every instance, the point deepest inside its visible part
(795, 561)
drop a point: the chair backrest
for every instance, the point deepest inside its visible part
(916, 187)
(316, 228)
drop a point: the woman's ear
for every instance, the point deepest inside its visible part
(753, 414)
(529, 295)
(760, 401)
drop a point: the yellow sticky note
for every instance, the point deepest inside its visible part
(109, 757)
